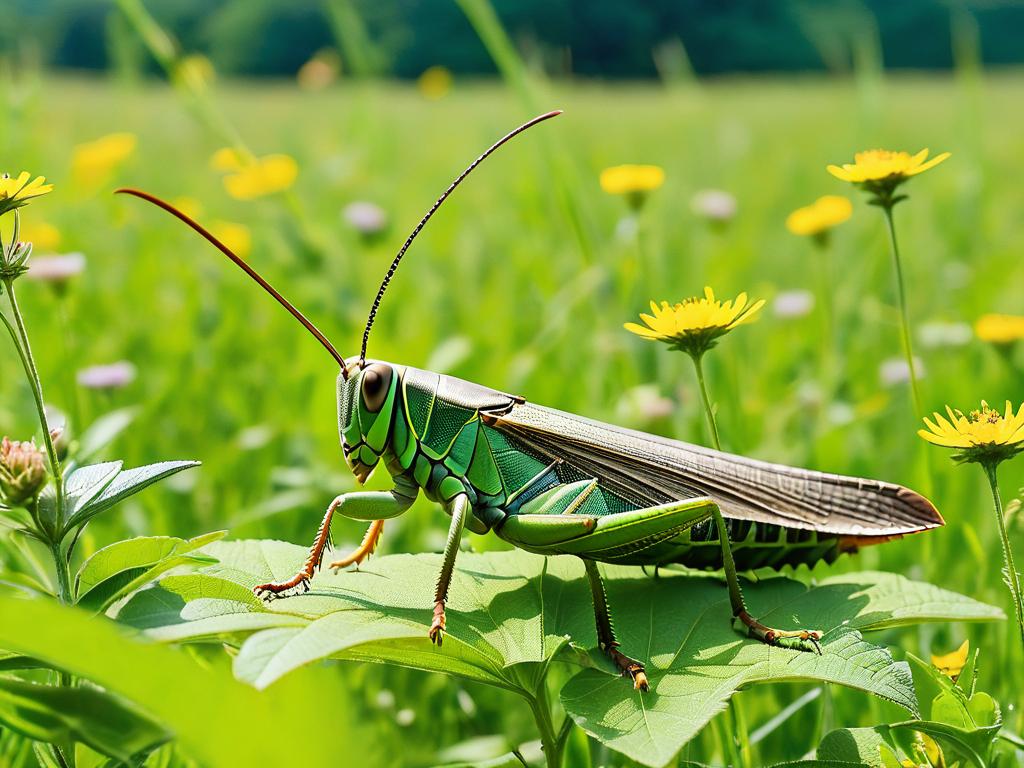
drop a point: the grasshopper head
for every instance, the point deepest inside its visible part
(366, 400)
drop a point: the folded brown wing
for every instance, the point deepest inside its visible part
(649, 470)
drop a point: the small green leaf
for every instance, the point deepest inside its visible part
(61, 715)
(122, 567)
(86, 483)
(125, 484)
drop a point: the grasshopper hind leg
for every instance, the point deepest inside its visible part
(799, 639)
(606, 636)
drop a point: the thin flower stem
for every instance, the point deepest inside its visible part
(908, 348)
(551, 742)
(698, 365)
(1012, 577)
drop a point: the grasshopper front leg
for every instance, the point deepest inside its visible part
(764, 633)
(459, 507)
(364, 505)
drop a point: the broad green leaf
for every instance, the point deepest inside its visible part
(122, 567)
(858, 746)
(103, 431)
(124, 484)
(65, 715)
(220, 722)
(511, 613)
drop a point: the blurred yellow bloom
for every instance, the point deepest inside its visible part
(236, 237)
(631, 179)
(17, 191)
(952, 664)
(435, 82)
(93, 161)
(884, 164)
(694, 325)
(1000, 329)
(820, 216)
(257, 177)
(43, 235)
(983, 435)
(188, 205)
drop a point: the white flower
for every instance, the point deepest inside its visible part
(113, 376)
(56, 268)
(896, 371)
(940, 334)
(714, 204)
(793, 304)
(365, 217)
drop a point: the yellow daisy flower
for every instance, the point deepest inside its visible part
(93, 161)
(633, 181)
(983, 436)
(694, 325)
(884, 164)
(17, 191)
(952, 664)
(1000, 329)
(256, 177)
(820, 216)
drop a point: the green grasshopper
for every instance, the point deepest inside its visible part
(555, 483)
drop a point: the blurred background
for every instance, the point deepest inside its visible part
(358, 114)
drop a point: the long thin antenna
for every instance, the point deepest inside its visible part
(426, 218)
(245, 268)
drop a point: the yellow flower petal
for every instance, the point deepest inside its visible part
(266, 175)
(952, 664)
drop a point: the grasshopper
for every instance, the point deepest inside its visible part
(554, 483)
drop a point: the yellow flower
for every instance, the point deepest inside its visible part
(195, 72)
(1000, 329)
(435, 83)
(983, 436)
(884, 164)
(16, 192)
(630, 179)
(43, 235)
(820, 216)
(694, 325)
(236, 237)
(190, 206)
(256, 177)
(93, 161)
(952, 664)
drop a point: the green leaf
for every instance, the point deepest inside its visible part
(124, 484)
(218, 721)
(86, 483)
(511, 613)
(123, 567)
(104, 431)
(64, 715)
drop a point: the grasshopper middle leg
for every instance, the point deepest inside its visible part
(606, 636)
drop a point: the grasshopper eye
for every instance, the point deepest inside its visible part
(376, 383)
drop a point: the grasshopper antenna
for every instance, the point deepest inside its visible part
(245, 268)
(426, 218)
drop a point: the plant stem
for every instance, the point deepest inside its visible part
(552, 743)
(63, 574)
(32, 374)
(698, 365)
(1012, 577)
(904, 317)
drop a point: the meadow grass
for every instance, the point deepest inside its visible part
(517, 288)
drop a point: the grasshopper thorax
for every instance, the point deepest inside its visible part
(367, 398)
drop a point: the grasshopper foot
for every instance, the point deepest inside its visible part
(437, 626)
(275, 590)
(631, 667)
(798, 639)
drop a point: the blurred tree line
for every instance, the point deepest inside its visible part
(591, 38)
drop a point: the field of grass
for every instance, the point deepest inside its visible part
(521, 283)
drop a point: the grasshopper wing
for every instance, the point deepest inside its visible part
(647, 470)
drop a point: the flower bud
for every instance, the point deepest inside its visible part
(22, 471)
